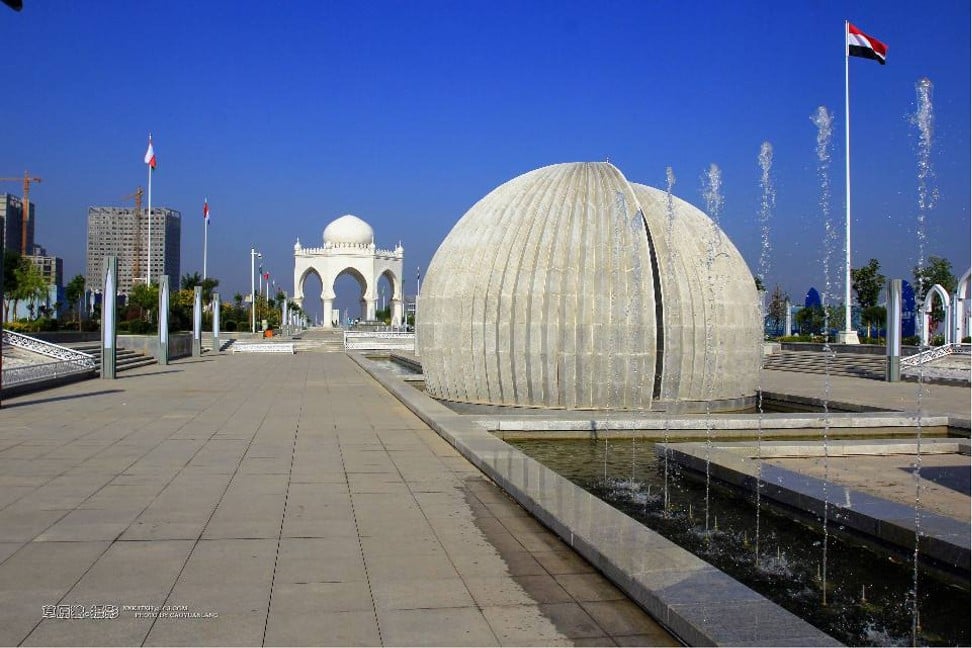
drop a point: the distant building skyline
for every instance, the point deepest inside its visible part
(51, 267)
(117, 231)
(12, 219)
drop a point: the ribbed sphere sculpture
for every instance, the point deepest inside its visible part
(570, 287)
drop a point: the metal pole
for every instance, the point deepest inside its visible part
(148, 254)
(893, 369)
(252, 291)
(205, 233)
(108, 335)
(197, 321)
(163, 356)
(849, 336)
(216, 344)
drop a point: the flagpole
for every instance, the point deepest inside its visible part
(148, 255)
(205, 234)
(847, 336)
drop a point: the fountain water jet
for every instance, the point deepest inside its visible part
(670, 243)
(823, 120)
(712, 194)
(923, 120)
(766, 203)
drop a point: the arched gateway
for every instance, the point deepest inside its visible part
(349, 248)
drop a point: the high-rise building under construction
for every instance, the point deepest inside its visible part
(121, 232)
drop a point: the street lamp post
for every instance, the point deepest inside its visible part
(253, 256)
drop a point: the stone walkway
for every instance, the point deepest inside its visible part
(953, 401)
(277, 500)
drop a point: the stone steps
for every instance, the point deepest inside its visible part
(320, 341)
(124, 359)
(846, 364)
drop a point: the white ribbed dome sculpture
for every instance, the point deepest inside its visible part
(348, 230)
(570, 287)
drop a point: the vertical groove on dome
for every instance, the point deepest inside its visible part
(496, 251)
(524, 266)
(536, 351)
(554, 317)
(504, 290)
(582, 331)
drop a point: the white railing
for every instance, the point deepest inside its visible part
(264, 347)
(42, 372)
(934, 353)
(45, 348)
(379, 341)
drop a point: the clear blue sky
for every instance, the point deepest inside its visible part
(288, 115)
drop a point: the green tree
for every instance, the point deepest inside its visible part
(75, 293)
(209, 285)
(938, 270)
(810, 319)
(873, 316)
(190, 281)
(759, 283)
(145, 298)
(776, 309)
(11, 260)
(180, 310)
(30, 284)
(867, 282)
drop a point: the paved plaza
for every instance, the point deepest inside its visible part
(272, 499)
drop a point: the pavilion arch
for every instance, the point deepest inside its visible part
(926, 309)
(349, 248)
(961, 306)
(394, 281)
(368, 289)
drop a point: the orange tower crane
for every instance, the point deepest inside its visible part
(138, 232)
(23, 221)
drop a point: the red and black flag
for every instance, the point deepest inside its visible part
(860, 44)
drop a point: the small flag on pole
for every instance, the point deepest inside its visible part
(206, 210)
(150, 154)
(860, 44)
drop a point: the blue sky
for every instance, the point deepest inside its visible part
(289, 115)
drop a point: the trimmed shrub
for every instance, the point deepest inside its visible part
(141, 327)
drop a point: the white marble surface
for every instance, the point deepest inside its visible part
(562, 287)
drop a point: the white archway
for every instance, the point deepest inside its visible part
(926, 309)
(349, 249)
(962, 305)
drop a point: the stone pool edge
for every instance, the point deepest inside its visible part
(694, 600)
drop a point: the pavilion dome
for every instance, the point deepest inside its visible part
(585, 294)
(348, 230)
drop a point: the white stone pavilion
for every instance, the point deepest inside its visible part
(349, 249)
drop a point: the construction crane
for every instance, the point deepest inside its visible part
(26, 214)
(138, 232)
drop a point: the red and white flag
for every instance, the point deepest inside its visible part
(150, 154)
(206, 210)
(860, 44)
